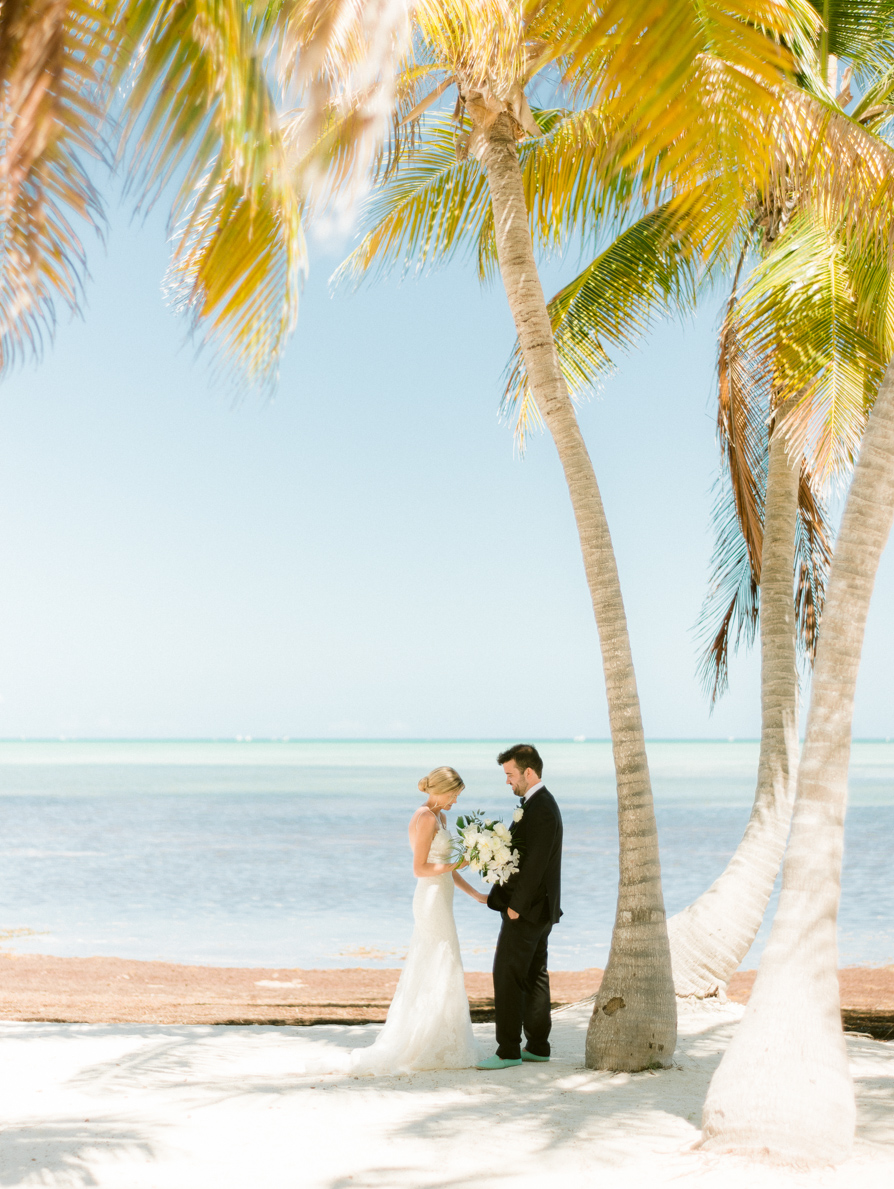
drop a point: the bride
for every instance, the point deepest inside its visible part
(428, 1024)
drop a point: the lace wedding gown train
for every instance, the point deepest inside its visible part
(428, 1024)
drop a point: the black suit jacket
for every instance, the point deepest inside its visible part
(535, 891)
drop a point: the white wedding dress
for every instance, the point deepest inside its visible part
(428, 1024)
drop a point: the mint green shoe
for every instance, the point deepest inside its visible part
(526, 1056)
(496, 1062)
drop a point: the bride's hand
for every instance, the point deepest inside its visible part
(481, 898)
(459, 866)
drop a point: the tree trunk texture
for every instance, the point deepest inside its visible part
(784, 1088)
(634, 1023)
(710, 938)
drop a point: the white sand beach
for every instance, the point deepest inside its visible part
(134, 1106)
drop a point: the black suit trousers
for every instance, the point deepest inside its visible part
(521, 988)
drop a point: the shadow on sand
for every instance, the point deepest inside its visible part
(60, 1153)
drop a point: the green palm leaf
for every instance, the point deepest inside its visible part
(431, 208)
(435, 204)
(860, 31)
(651, 268)
(801, 309)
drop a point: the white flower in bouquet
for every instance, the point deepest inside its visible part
(486, 845)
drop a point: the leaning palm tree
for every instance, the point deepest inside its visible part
(489, 54)
(710, 938)
(784, 1086)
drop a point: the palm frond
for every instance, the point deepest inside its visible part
(663, 41)
(484, 42)
(572, 187)
(652, 266)
(199, 106)
(813, 557)
(745, 394)
(748, 408)
(731, 611)
(836, 165)
(860, 31)
(338, 60)
(53, 91)
(236, 273)
(431, 208)
(801, 310)
(746, 382)
(875, 107)
(715, 76)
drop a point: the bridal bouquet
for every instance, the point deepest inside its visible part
(487, 847)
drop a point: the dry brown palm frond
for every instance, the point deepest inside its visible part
(813, 557)
(730, 613)
(745, 393)
(799, 304)
(748, 412)
(731, 610)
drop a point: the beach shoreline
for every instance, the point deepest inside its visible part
(98, 990)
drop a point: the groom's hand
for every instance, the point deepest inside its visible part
(512, 914)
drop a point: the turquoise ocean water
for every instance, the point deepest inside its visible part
(294, 854)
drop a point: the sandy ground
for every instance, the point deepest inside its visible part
(114, 990)
(144, 1106)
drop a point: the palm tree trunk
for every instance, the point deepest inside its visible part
(710, 938)
(784, 1085)
(634, 1022)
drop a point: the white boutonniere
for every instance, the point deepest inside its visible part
(519, 814)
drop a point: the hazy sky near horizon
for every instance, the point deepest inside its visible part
(364, 555)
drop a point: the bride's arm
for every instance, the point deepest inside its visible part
(424, 830)
(468, 889)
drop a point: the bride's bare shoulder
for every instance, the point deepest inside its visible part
(424, 820)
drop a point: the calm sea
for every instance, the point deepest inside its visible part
(294, 854)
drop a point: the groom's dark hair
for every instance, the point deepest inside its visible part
(525, 755)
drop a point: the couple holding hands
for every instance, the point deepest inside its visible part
(428, 1024)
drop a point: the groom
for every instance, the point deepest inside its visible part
(529, 905)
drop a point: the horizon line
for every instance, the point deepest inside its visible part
(264, 739)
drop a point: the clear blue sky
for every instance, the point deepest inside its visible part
(365, 555)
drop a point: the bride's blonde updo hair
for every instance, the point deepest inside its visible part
(440, 782)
